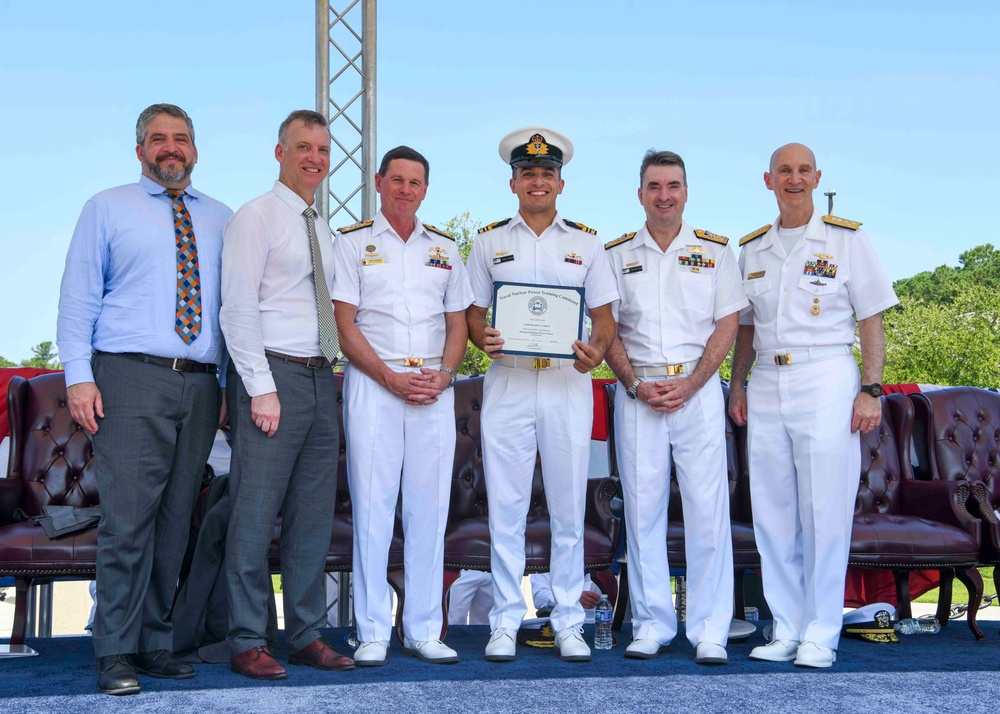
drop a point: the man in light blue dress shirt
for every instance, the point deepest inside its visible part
(138, 334)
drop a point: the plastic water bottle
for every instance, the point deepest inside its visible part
(602, 624)
(913, 626)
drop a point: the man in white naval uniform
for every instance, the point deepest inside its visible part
(809, 277)
(538, 405)
(681, 296)
(399, 294)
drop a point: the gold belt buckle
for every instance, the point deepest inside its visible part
(782, 360)
(542, 362)
(413, 362)
(674, 369)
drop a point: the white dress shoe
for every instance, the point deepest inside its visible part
(645, 649)
(371, 654)
(572, 648)
(811, 654)
(777, 651)
(710, 653)
(501, 645)
(433, 651)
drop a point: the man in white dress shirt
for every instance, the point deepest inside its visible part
(680, 300)
(277, 270)
(810, 279)
(538, 405)
(400, 295)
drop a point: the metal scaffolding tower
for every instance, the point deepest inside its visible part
(345, 94)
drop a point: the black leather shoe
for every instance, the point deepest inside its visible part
(116, 675)
(162, 664)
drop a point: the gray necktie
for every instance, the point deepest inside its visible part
(328, 342)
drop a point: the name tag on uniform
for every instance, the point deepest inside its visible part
(754, 276)
(503, 259)
(632, 269)
(372, 261)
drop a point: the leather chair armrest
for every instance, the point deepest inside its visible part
(11, 491)
(942, 501)
(986, 511)
(600, 514)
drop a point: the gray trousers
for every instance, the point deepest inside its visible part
(293, 473)
(150, 451)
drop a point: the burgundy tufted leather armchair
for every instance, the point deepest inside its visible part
(904, 524)
(51, 463)
(745, 555)
(957, 431)
(467, 537)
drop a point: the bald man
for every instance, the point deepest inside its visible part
(811, 280)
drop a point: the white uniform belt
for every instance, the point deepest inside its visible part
(667, 370)
(800, 355)
(521, 362)
(415, 361)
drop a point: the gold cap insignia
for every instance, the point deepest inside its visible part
(537, 146)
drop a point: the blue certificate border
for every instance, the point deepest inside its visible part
(579, 327)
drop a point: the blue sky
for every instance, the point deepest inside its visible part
(899, 101)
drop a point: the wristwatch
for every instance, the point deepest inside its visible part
(633, 390)
(873, 389)
(451, 373)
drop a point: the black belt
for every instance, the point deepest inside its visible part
(175, 363)
(310, 362)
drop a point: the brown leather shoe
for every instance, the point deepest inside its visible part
(257, 663)
(320, 655)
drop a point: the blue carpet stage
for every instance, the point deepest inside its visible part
(948, 672)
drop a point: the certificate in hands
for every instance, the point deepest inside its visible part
(538, 320)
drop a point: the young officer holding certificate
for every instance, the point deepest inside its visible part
(538, 404)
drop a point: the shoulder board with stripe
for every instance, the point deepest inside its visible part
(618, 241)
(755, 234)
(434, 229)
(842, 222)
(579, 226)
(355, 227)
(713, 237)
(491, 226)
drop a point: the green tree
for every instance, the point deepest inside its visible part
(952, 344)
(6, 362)
(45, 357)
(979, 266)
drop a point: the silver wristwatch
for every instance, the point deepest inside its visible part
(451, 373)
(633, 390)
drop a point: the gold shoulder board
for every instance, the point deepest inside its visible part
(491, 226)
(714, 237)
(618, 241)
(755, 234)
(355, 227)
(842, 222)
(434, 229)
(579, 226)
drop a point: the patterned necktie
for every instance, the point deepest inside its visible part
(328, 342)
(187, 322)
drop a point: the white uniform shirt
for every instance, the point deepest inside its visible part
(563, 255)
(811, 297)
(671, 300)
(268, 292)
(401, 289)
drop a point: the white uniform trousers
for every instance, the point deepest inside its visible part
(804, 469)
(552, 412)
(470, 599)
(693, 437)
(389, 442)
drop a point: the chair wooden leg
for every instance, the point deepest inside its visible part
(396, 580)
(21, 588)
(945, 595)
(621, 603)
(739, 598)
(973, 582)
(450, 576)
(902, 578)
(996, 582)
